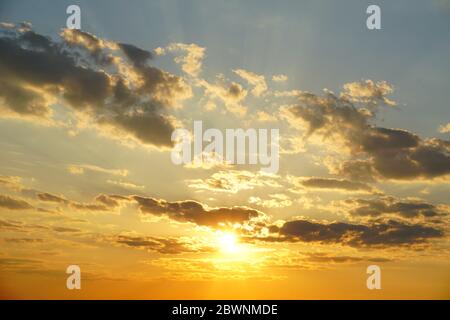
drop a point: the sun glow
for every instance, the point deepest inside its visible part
(228, 242)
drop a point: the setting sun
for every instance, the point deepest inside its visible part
(228, 242)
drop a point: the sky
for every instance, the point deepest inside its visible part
(86, 176)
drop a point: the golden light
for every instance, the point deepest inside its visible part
(228, 242)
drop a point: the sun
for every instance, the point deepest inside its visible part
(228, 242)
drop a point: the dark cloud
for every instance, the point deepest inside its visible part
(235, 90)
(385, 233)
(158, 244)
(102, 202)
(381, 152)
(137, 55)
(13, 204)
(126, 100)
(195, 212)
(339, 184)
(23, 101)
(110, 201)
(356, 170)
(51, 198)
(389, 205)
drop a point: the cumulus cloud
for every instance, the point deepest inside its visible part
(388, 153)
(257, 81)
(355, 170)
(391, 206)
(278, 200)
(191, 62)
(138, 56)
(231, 95)
(195, 212)
(369, 92)
(378, 234)
(125, 98)
(233, 181)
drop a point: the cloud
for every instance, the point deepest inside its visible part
(327, 258)
(388, 153)
(10, 225)
(88, 75)
(195, 212)
(331, 184)
(230, 94)
(191, 62)
(111, 201)
(11, 182)
(445, 128)
(102, 202)
(160, 244)
(94, 46)
(265, 117)
(18, 226)
(51, 198)
(77, 169)
(274, 201)
(18, 262)
(65, 229)
(258, 81)
(126, 185)
(26, 102)
(13, 203)
(378, 234)
(389, 205)
(369, 92)
(100, 206)
(23, 240)
(356, 170)
(279, 78)
(138, 56)
(233, 181)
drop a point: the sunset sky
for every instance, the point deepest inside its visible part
(86, 177)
